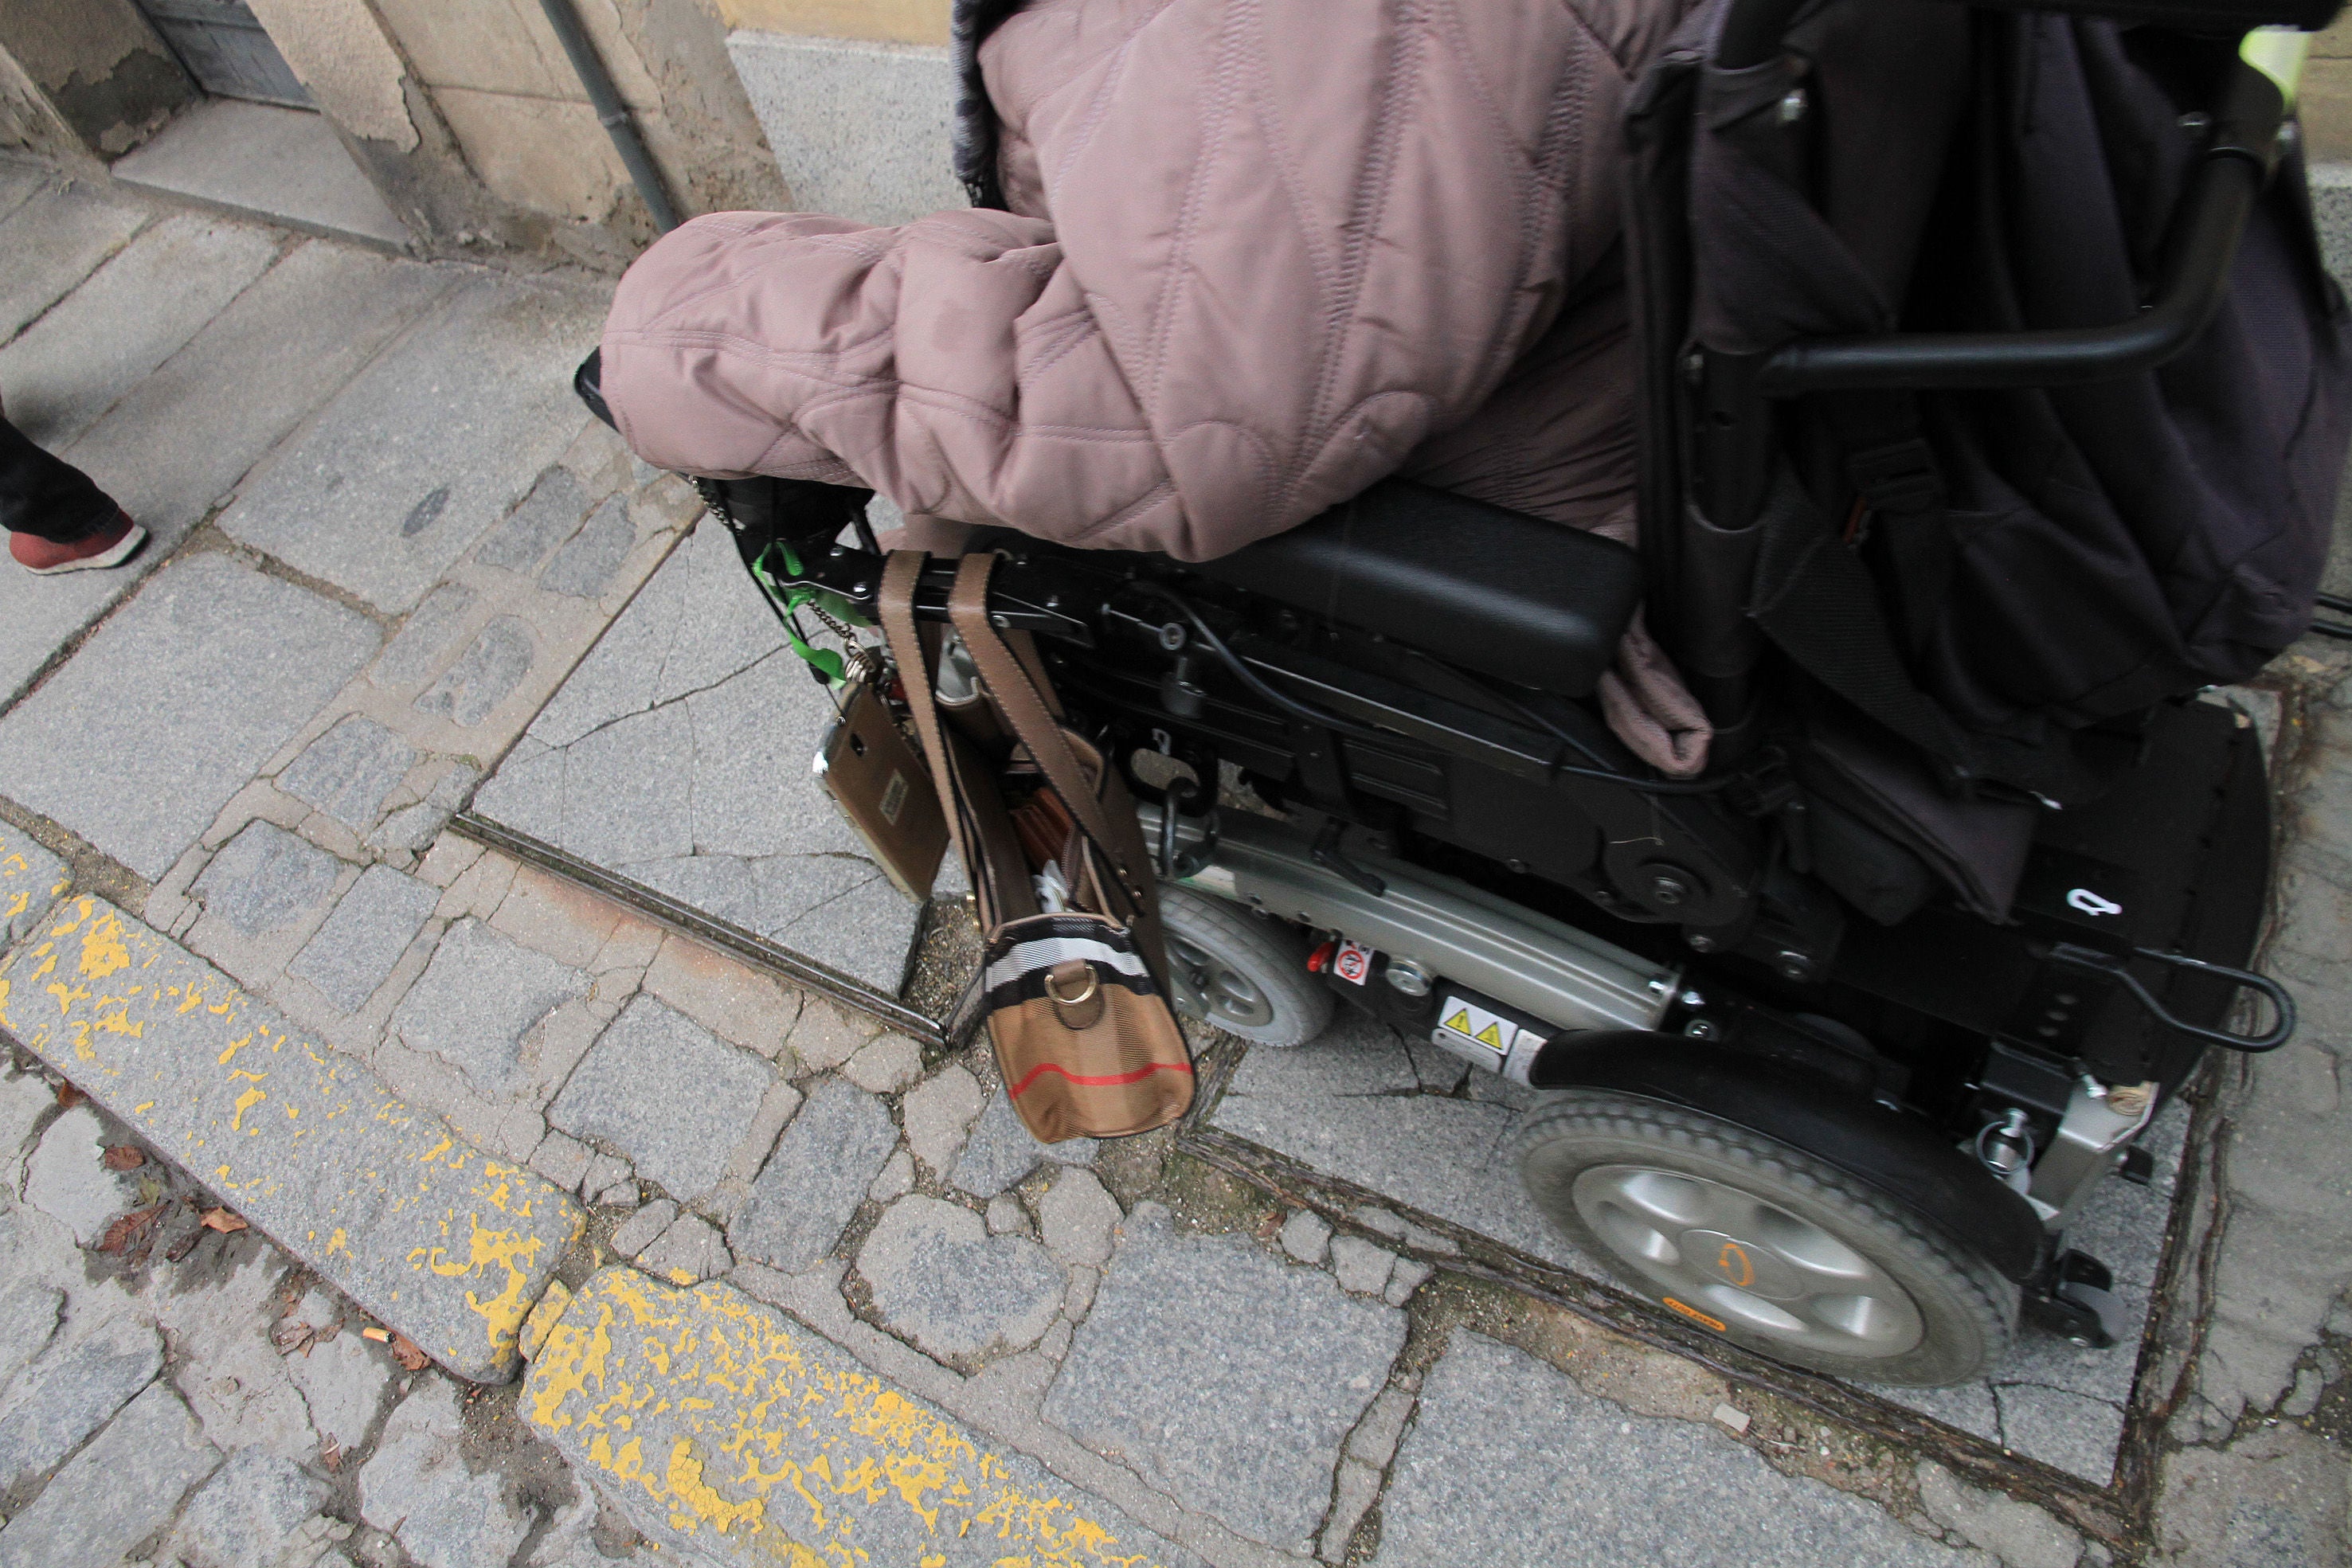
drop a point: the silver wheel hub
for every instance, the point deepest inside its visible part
(1207, 987)
(1717, 1253)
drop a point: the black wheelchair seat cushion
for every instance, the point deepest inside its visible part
(1535, 603)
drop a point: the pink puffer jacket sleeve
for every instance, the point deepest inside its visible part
(949, 363)
(1288, 242)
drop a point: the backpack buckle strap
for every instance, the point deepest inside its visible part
(1899, 479)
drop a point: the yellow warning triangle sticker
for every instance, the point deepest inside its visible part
(1491, 1037)
(1460, 1022)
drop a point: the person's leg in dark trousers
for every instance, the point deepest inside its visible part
(56, 519)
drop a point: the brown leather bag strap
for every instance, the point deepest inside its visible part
(897, 609)
(1031, 716)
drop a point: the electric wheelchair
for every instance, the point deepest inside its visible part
(1835, 1039)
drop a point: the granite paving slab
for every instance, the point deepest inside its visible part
(732, 1433)
(177, 442)
(57, 236)
(446, 1245)
(669, 1094)
(1227, 1377)
(424, 452)
(1509, 1461)
(123, 1487)
(1352, 1105)
(134, 312)
(144, 736)
(355, 950)
(677, 757)
(815, 1178)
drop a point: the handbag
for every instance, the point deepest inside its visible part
(1074, 978)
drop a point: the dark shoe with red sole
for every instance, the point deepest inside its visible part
(107, 547)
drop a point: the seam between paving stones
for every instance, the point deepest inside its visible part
(64, 185)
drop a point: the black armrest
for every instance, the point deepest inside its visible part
(1539, 603)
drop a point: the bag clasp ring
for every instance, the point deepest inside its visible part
(1082, 998)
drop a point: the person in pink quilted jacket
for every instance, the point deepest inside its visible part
(1232, 262)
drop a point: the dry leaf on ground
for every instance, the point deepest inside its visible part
(68, 1096)
(123, 1158)
(222, 1220)
(330, 1454)
(127, 1229)
(404, 1350)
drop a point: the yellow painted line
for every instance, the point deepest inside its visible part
(748, 1438)
(443, 1242)
(20, 887)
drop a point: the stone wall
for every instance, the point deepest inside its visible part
(85, 80)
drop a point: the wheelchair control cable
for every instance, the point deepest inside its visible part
(1306, 713)
(1629, 780)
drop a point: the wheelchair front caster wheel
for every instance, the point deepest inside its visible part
(1745, 1237)
(1244, 974)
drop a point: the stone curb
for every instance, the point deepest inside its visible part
(435, 1239)
(723, 1428)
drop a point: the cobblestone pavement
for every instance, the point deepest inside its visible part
(372, 1199)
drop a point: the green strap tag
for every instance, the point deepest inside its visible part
(825, 661)
(2278, 53)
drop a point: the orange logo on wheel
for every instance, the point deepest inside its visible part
(1733, 1262)
(1694, 1314)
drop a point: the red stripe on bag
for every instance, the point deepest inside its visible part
(1106, 1081)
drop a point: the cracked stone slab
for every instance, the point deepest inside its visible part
(417, 1488)
(999, 1152)
(71, 1390)
(386, 489)
(635, 1368)
(347, 771)
(65, 1180)
(356, 951)
(547, 516)
(1277, 1367)
(812, 1183)
(584, 568)
(252, 1504)
(479, 996)
(677, 756)
(671, 1096)
(490, 668)
(1497, 1428)
(422, 1230)
(266, 879)
(116, 1492)
(939, 1278)
(143, 736)
(31, 879)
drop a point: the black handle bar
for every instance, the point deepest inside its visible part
(2236, 165)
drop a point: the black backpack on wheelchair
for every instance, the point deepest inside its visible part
(1994, 404)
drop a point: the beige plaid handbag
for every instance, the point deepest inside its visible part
(1076, 977)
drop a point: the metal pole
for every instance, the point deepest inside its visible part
(611, 113)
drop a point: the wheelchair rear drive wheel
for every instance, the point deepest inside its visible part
(1244, 973)
(1762, 1244)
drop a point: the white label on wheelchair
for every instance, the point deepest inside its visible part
(1459, 1023)
(2090, 902)
(1354, 964)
